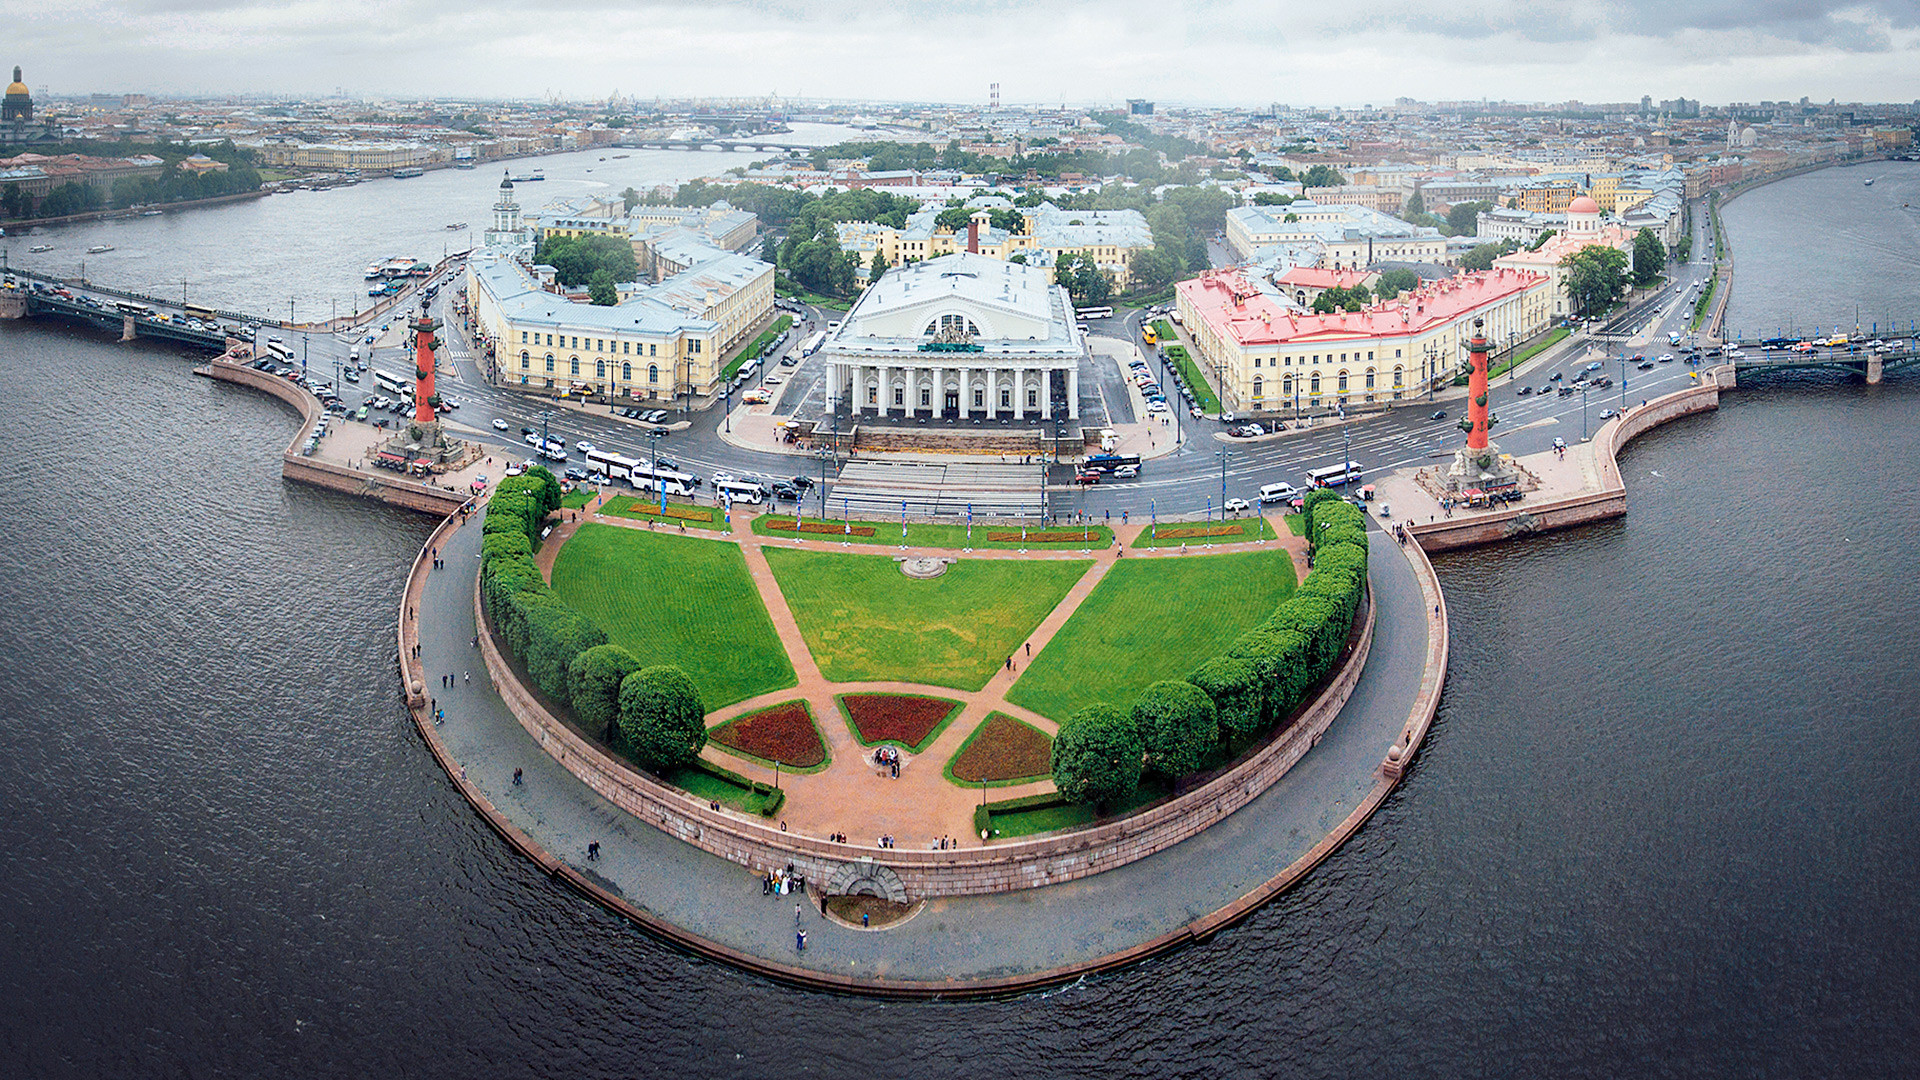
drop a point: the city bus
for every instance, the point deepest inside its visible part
(1094, 312)
(195, 311)
(614, 465)
(392, 384)
(279, 351)
(813, 343)
(646, 477)
(1334, 475)
(1106, 463)
(138, 311)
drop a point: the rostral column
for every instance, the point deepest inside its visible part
(423, 328)
(1478, 465)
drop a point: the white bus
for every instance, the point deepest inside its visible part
(813, 343)
(615, 466)
(739, 491)
(1334, 475)
(392, 384)
(278, 350)
(1094, 312)
(653, 481)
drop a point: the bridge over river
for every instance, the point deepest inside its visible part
(1871, 358)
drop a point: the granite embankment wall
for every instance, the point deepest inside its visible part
(1609, 500)
(393, 490)
(993, 868)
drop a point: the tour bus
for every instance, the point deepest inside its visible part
(138, 311)
(1095, 312)
(1334, 475)
(1148, 335)
(1106, 463)
(645, 477)
(813, 343)
(277, 349)
(390, 383)
(615, 466)
(195, 311)
(739, 491)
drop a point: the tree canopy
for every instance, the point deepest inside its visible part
(1176, 725)
(1649, 257)
(1342, 299)
(1097, 756)
(576, 258)
(1463, 219)
(1594, 276)
(662, 718)
(1394, 281)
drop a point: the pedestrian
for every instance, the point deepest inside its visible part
(863, 920)
(800, 941)
(1029, 648)
(593, 850)
(516, 778)
(823, 903)
(796, 914)
(443, 682)
(466, 676)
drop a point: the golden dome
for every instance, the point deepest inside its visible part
(17, 90)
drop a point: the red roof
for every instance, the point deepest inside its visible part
(1313, 277)
(1238, 313)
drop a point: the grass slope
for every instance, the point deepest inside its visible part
(866, 621)
(674, 599)
(1149, 620)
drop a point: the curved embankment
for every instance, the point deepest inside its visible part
(388, 488)
(1398, 755)
(994, 868)
(1608, 500)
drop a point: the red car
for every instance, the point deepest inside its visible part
(1087, 479)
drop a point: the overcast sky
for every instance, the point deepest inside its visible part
(1247, 52)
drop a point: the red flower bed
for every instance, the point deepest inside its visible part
(1004, 749)
(897, 718)
(783, 733)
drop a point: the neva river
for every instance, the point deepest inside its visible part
(1664, 826)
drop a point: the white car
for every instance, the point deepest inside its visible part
(499, 424)
(1126, 472)
(723, 478)
(1237, 506)
(583, 446)
(1157, 407)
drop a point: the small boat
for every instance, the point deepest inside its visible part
(408, 173)
(98, 248)
(38, 248)
(457, 225)
(151, 213)
(619, 155)
(1870, 181)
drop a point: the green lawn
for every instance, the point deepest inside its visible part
(1203, 394)
(1296, 524)
(706, 781)
(577, 499)
(866, 621)
(680, 600)
(753, 347)
(1250, 529)
(937, 535)
(1149, 620)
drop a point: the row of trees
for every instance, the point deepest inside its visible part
(1596, 274)
(1101, 752)
(654, 713)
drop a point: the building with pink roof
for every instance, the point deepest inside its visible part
(1266, 356)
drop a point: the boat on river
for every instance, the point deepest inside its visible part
(98, 248)
(38, 248)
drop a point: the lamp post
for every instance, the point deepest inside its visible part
(1513, 342)
(1583, 414)
(1224, 455)
(1623, 380)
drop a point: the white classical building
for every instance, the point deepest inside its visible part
(961, 337)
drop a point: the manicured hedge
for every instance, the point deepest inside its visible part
(535, 625)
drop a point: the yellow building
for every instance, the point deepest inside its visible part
(1108, 237)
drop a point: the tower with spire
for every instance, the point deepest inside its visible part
(509, 232)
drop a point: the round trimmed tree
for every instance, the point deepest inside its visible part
(662, 718)
(1177, 726)
(1097, 757)
(594, 678)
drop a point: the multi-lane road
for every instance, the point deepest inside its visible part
(1182, 482)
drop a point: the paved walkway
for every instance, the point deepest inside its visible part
(979, 937)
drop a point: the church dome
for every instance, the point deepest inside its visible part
(17, 88)
(1583, 205)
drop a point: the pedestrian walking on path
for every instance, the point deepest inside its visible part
(516, 778)
(800, 941)
(466, 676)
(796, 914)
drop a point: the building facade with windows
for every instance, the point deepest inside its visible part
(1108, 237)
(1266, 356)
(963, 338)
(1346, 237)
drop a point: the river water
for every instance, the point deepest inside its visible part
(1664, 825)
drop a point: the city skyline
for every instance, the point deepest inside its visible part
(1040, 53)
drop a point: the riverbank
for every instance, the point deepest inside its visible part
(21, 224)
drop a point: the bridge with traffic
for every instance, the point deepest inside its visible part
(130, 324)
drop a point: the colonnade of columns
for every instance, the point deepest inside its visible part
(979, 392)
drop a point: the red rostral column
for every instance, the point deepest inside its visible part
(423, 328)
(1477, 390)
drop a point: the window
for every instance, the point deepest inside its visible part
(873, 395)
(1343, 381)
(1369, 378)
(1006, 399)
(899, 395)
(626, 371)
(653, 373)
(1286, 386)
(1399, 376)
(549, 363)
(600, 369)
(1256, 361)
(1033, 399)
(523, 337)
(926, 397)
(1256, 387)
(1316, 383)
(524, 359)
(549, 339)
(653, 350)
(574, 367)
(979, 398)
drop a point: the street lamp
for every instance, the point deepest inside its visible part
(1224, 455)
(1583, 414)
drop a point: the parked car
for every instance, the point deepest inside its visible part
(1236, 506)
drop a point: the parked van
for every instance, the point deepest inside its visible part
(1278, 493)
